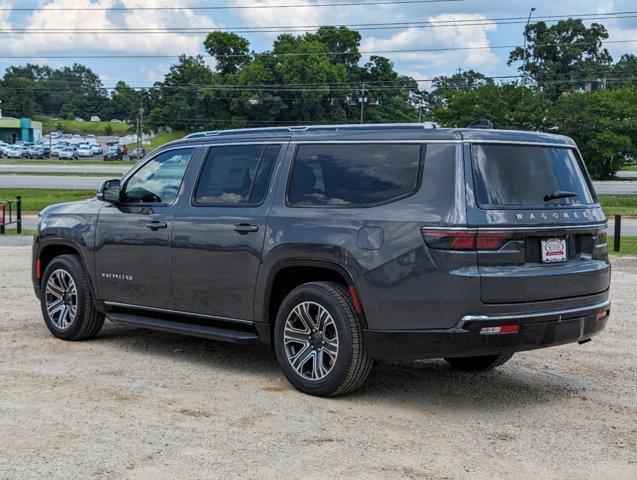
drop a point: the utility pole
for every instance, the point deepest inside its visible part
(525, 77)
(140, 135)
(362, 99)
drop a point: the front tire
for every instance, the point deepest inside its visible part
(480, 363)
(67, 300)
(318, 340)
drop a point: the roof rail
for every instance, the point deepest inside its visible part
(304, 128)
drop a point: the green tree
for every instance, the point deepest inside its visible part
(508, 106)
(182, 101)
(623, 73)
(603, 124)
(564, 56)
(230, 50)
(124, 103)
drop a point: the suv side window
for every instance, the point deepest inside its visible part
(353, 174)
(236, 175)
(159, 180)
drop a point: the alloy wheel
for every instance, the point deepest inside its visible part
(311, 340)
(61, 299)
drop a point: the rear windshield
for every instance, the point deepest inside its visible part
(528, 175)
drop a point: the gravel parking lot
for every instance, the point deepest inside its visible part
(141, 404)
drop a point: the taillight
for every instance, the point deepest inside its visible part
(465, 239)
(493, 240)
(601, 236)
(450, 239)
(600, 242)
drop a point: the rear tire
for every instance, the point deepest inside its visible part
(480, 363)
(318, 340)
(67, 302)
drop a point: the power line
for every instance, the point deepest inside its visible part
(317, 88)
(224, 7)
(306, 54)
(303, 28)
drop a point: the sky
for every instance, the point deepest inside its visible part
(421, 65)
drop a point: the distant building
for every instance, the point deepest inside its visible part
(19, 129)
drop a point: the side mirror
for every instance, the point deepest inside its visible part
(109, 191)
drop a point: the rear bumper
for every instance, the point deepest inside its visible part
(537, 330)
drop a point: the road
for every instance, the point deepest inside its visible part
(616, 187)
(35, 168)
(52, 181)
(627, 174)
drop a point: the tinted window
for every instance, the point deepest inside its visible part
(439, 176)
(525, 175)
(356, 174)
(236, 174)
(158, 181)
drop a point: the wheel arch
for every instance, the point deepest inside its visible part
(54, 247)
(287, 274)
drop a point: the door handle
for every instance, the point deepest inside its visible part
(245, 228)
(155, 225)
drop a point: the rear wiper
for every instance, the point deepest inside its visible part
(559, 194)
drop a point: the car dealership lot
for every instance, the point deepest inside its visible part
(142, 404)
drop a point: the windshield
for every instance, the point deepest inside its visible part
(528, 175)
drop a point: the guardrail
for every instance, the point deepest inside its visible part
(10, 213)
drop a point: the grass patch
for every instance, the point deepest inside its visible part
(630, 168)
(628, 245)
(10, 230)
(619, 204)
(36, 199)
(159, 140)
(75, 126)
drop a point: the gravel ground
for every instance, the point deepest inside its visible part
(140, 404)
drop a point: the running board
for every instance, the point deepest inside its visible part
(184, 328)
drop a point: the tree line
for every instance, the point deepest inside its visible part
(566, 82)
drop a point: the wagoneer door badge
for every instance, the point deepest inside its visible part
(584, 214)
(117, 276)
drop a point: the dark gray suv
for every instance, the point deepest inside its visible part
(339, 245)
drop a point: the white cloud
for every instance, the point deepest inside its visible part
(304, 14)
(429, 64)
(156, 73)
(104, 19)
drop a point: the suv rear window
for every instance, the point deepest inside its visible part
(508, 175)
(236, 175)
(353, 174)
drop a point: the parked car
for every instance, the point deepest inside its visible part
(85, 151)
(339, 246)
(68, 153)
(59, 145)
(112, 153)
(137, 153)
(36, 152)
(96, 149)
(17, 151)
